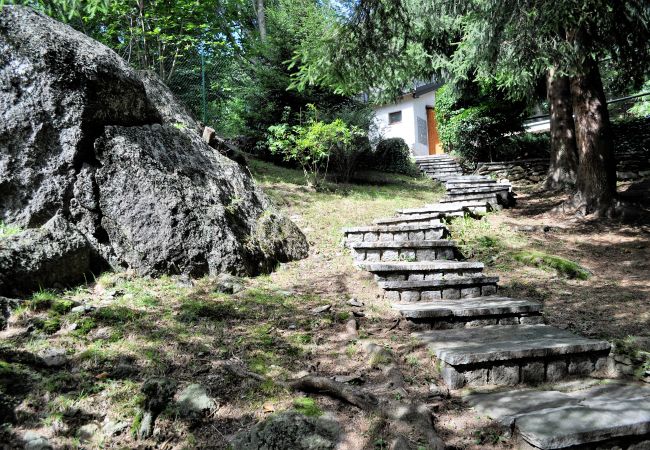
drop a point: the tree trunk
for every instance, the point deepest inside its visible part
(261, 18)
(596, 181)
(562, 172)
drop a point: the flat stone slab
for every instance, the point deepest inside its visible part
(469, 178)
(433, 266)
(394, 228)
(468, 307)
(477, 345)
(440, 207)
(469, 190)
(436, 284)
(413, 218)
(463, 182)
(457, 197)
(552, 419)
(403, 244)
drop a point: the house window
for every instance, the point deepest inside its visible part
(394, 117)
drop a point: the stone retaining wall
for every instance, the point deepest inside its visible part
(631, 166)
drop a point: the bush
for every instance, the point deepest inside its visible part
(392, 155)
(478, 126)
(316, 144)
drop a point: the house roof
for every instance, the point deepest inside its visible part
(425, 88)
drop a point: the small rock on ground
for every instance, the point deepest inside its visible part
(289, 430)
(194, 402)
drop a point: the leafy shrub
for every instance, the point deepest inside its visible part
(478, 126)
(393, 155)
(315, 143)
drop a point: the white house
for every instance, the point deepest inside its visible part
(413, 118)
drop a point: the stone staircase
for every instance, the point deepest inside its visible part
(480, 339)
(439, 167)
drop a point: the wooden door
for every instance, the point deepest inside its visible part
(435, 146)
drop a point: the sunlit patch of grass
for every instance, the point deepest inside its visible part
(7, 230)
(351, 349)
(543, 260)
(479, 239)
(42, 300)
(307, 406)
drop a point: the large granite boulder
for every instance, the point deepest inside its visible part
(118, 160)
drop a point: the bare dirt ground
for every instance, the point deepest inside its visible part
(614, 303)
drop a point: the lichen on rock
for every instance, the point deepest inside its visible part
(85, 138)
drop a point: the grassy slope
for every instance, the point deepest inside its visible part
(141, 328)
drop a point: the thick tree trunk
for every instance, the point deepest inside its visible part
(563, 170)
(596, 181)
(261, 18)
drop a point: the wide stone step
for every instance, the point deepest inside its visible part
(436, 166)
(508, 355)
(469, 179)
(422, 271)
(472, 312)
(470, 190)
(463, 183)
(474, 206)
(375, 233)
(432, 218)
(450, 185)
(499, 198)
(441, 170)
(447, 288)
(613, 414)
(434, 157)
(417, 250)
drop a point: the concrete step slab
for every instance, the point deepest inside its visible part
(602, 416)
(489, 197)
(412, 219)
(462, 347)
(446, 207)
(471, 190)
(470, 307)
(469, 178)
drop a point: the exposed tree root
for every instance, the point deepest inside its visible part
(402, 414)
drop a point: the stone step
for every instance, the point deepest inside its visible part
(417, 250)
(471, 190)
(472, 312)
(505, 198)
(468, 178)
(473, 206)
(422, 270)
(469, 184)
(441, 170)
(449, 288)
(612, 414)
(413, 219)
(439, 165)
(375, 233)
(433, 157)
(508, 355)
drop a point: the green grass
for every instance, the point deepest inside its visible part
(7, 230)
(501, 247)
(307, 406)
(323, 213)
(543, 260)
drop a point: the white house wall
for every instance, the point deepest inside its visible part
(407, 129)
